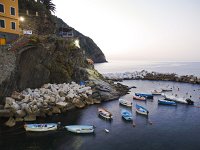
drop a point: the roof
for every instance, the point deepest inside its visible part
(65, 29)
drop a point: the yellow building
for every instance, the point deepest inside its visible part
(9, 21)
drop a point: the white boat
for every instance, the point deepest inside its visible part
(80, 128)
(105, 113)
(125, 102)
(41, 127)
(155, 92)
(141, 110)
(178, 99)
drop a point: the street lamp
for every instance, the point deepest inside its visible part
(21, 19)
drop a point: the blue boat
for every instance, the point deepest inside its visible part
(141, 110)
(80, 128)
(149, 96)
(127, 115)
(41, 127)
(166, 102)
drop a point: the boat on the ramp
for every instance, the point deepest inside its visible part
(80, 128)
(178, 99)
(105, 113)
(141, 110)
(125, 102)
(127, 115)
(41, 127)
(166, 102)
(148, 96)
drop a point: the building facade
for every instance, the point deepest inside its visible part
(9, 21)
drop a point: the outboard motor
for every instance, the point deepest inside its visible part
(189, 101)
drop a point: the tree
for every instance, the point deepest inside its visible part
(49, 5)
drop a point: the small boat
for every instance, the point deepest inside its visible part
(80, 128)
(166, 89)
(105, 113)
(139, 98)
(125, 102)
(178, 100)
(41, 127)
(127, 115)
(155, 92)
(166, 102)
(141, 110)
(149, 96)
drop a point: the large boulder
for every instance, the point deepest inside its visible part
(8, 102)
(30, 118)
(20, 113)
(11, 122)
(78, 103)
(17, 96)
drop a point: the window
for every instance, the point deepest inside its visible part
(1, 8)
(2, 23)
(12, 11)
(13, 25)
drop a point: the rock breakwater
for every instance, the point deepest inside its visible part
(48, 100)
(145, 75)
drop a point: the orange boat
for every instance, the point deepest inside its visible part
(139, 98)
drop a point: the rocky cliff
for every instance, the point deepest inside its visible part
(92, 50)
(50, 59)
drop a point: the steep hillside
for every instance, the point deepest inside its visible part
(86, 43)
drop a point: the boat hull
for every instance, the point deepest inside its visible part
(141, 110)
(40, 127)
(166, 102)
(149, 96)
(80, 128)
(105, 113)
(126, 115)
(139, 98)
(175, 99)
(125, 103)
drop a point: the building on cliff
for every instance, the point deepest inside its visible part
(66, 32)
(9, 21)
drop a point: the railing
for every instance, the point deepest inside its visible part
(20, 43)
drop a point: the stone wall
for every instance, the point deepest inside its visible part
(7, 69)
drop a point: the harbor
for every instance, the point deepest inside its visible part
(180, 122)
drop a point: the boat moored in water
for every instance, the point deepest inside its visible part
(127, 115)
(155, 92)
(139, 98)
(166, 102)
(141, 110)
(149, 96)
(166, 89)
(41, 127)
(105, 113)
(125, 102)
(80, 128)
(178, 99)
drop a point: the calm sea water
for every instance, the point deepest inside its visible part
(181, 68)
(174, 127)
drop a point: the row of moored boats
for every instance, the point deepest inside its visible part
(127, 115)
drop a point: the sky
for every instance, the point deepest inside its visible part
(154, 30)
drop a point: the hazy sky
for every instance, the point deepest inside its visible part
(167, 30)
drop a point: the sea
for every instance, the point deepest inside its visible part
(166, 128)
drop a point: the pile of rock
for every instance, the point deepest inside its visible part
(47, 100)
